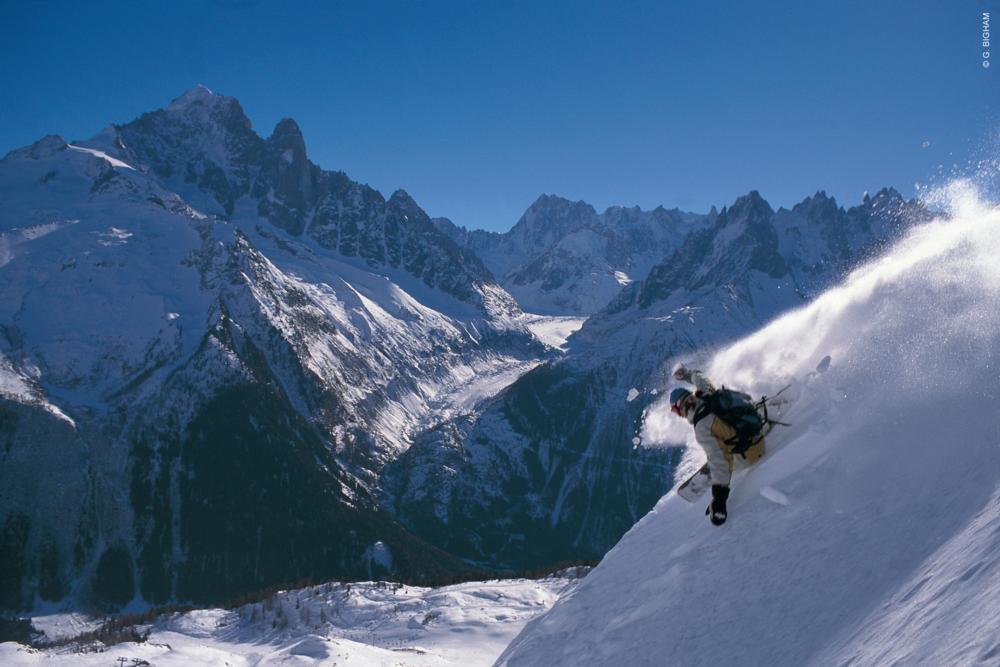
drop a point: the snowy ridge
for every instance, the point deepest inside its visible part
(867, 533)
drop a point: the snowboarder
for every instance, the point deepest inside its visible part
(717, 437)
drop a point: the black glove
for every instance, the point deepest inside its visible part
(717, 510)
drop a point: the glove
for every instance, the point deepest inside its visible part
(682, 373)
(717, 510)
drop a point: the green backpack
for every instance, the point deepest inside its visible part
(739, 411)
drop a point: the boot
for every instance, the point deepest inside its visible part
(717, 510)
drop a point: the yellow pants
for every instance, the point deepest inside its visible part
(724, 432)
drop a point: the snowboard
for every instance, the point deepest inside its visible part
(696, 485)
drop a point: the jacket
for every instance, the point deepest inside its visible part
(712, 432)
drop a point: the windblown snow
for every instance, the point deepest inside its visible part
(870, 532)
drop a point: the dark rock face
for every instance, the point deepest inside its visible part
(48, 523)
(205, 142)
(256, 507)
(548, 473)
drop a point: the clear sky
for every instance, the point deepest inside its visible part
(476, 108)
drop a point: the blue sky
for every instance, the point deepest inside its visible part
(476, 108)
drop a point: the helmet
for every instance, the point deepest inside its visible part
(677, 398)
(678, 395)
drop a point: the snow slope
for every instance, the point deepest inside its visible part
(365, 623)
(869, 533)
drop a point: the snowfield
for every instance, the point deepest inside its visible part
(366, 623)
(870, 532)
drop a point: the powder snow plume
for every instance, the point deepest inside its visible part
(915, 316)
(870, 532)
(911, 318)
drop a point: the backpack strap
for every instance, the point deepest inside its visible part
(740, 444)
(705, 407)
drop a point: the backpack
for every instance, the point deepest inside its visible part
(739, 411)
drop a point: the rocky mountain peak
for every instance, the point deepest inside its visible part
(402, 201)
(547, 205)
(818, 207)
(203, 109)
(198, 95)
(288, 137)
(196, 121)
(203, 147)
(550, 218)
(317, 340)
(751, 207)
(889, 205)
(742, 239)
(888, 196)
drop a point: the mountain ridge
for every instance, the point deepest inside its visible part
(226, 347)
(564, 438)
(564, 258)
(221, 345)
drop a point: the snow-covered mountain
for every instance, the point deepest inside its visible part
(564, 258)
(209, 347)
(868, 535)
(202, 147)
(553, 467)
